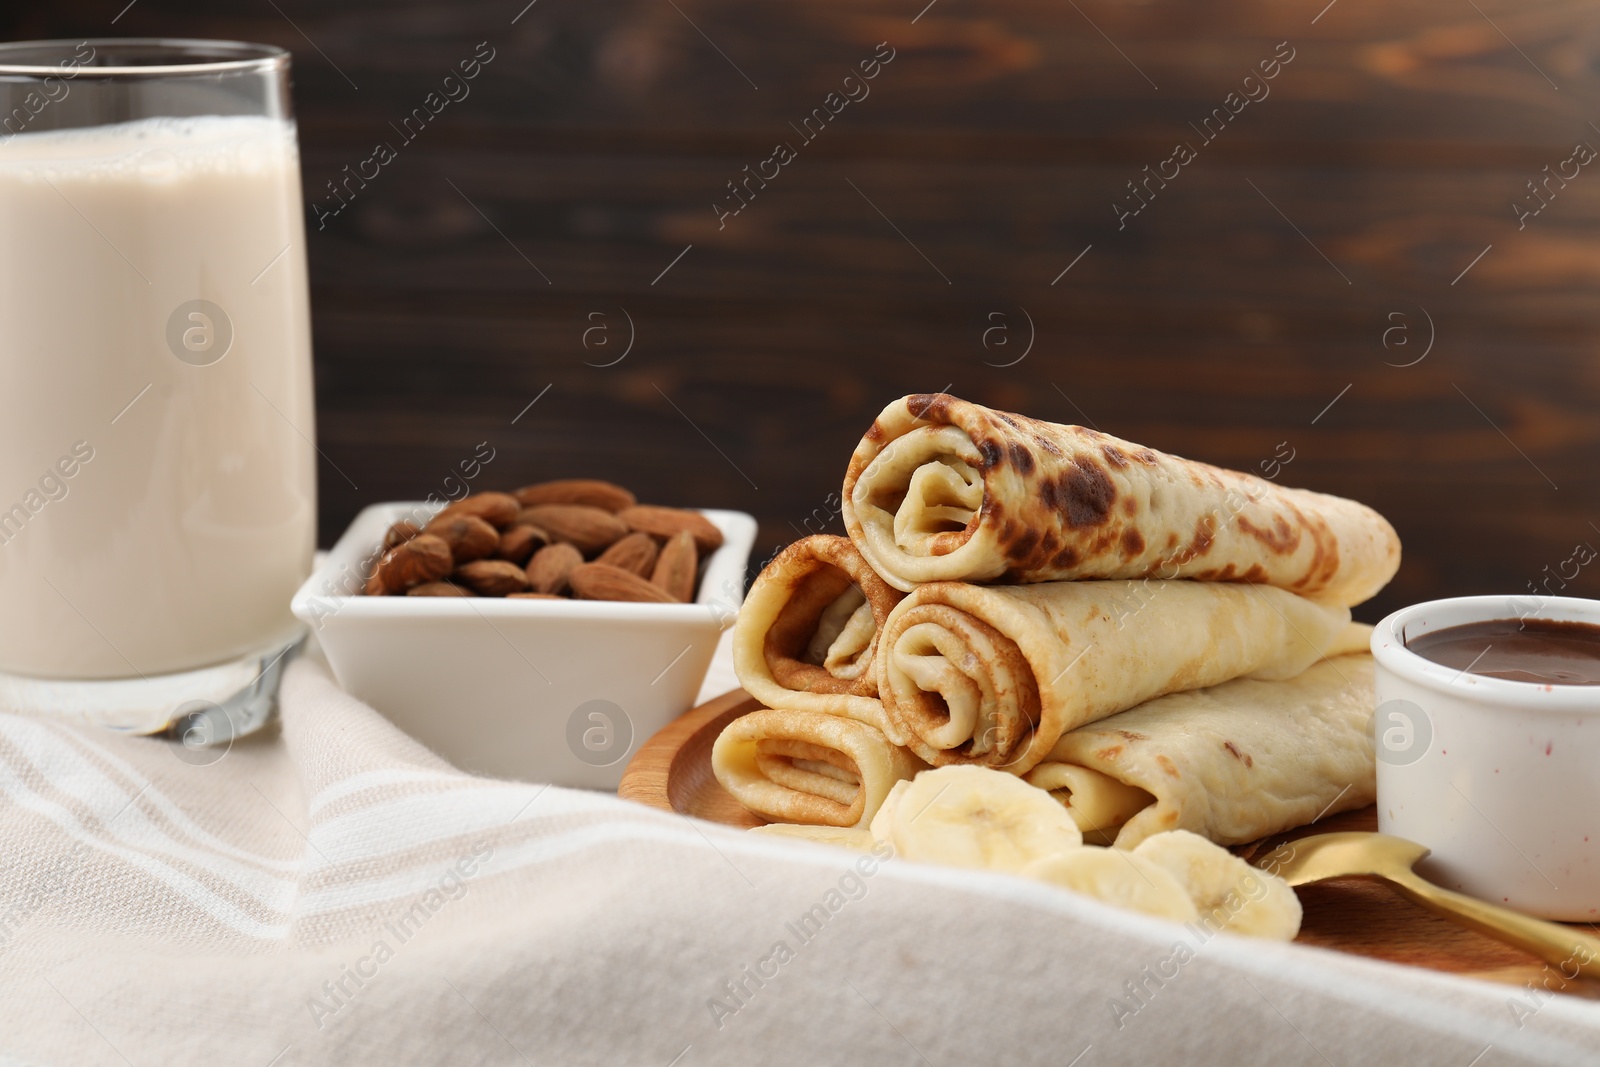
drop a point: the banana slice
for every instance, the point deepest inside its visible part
(883, 821)
(1228, 893)
(967, 816)
(1124, 879)
(851, 837)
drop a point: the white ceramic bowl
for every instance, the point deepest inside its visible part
(1499, 778)
(542, 690)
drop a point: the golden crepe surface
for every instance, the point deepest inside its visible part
(941, 489)
(807, 634)
(996, 674)
(1233, 763)
(808, 767)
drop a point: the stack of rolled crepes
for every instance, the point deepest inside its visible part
(1160, 643)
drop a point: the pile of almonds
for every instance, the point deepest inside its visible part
(577, 538)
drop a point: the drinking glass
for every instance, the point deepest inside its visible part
(157, 464)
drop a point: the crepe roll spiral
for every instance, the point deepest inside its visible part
(941, 489)
(808, 633)
(994, 675)
(809, 767)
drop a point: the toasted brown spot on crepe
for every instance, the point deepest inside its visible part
(942, 544)
(1087, 495)
(1281, 538)
(931, 406)
(1021, 458)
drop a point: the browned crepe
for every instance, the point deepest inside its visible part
(807, 634)
(994, 675)
(1233, 763)
(941, 489)
(809, 767)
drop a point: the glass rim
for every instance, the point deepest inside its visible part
(209, 57)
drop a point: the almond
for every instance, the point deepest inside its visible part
(374, 586)
(497, 509)
(424, 558)
(519, 542)
(587, 529)
(551, 566)
(492, 577)
(437, 589)
(601, 581)
(636, 553)
(400, 532)
(533, 596)
(674, 571)
(468, 536)
(590, 492)
(664, 522)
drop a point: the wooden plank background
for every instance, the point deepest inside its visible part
(1251, 293)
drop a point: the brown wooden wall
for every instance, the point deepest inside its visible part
(1221, 320)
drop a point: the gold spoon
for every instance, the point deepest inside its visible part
(1365, 855)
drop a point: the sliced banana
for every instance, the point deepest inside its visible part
(1228, 893)
(883, 822)
(967, 816)
(1116, 877)
(851, 837)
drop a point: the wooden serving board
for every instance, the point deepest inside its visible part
(672, 772)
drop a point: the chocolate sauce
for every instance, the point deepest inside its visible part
(1542, 651)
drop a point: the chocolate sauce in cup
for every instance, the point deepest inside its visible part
(1542, 651)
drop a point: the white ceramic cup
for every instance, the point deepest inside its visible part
(1501, 779)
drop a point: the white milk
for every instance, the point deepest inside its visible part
(187, 520)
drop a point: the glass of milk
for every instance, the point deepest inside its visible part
(157, 464)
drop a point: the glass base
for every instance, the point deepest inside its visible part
(208, 706)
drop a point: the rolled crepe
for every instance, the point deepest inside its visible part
(996, 674)
(809, 767)
(807, 634)
(1234, 762)
(940, 489)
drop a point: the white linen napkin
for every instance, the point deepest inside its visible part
(331, 892)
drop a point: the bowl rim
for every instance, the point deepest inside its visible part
(1390, 651)
(319, 597)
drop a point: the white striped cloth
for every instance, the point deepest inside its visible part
(330, 892)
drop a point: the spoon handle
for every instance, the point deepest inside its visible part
(1569, 950)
